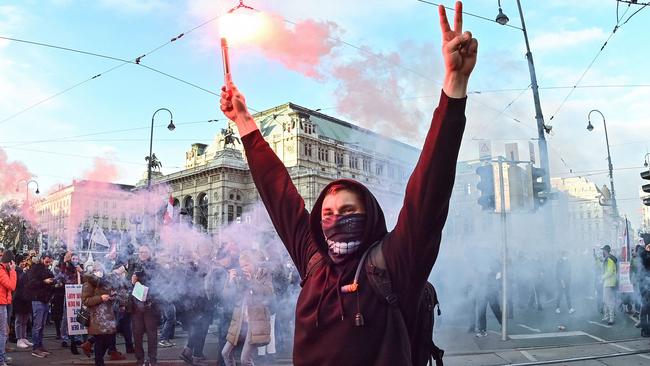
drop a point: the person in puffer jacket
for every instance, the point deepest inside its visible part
(99, 297)
(250, 326)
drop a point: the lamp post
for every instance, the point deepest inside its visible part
(542, 128)
(27, 188)
(590, 128)
(170, 127)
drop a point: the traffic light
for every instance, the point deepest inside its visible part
(646, 187)
(486, 186)
(539, 193)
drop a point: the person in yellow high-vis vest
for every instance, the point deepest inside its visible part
(610, 282)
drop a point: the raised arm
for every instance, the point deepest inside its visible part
(412, 247)
(280, 196)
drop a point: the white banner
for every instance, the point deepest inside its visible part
(73, 304)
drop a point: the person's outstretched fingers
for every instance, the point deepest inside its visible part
(458, 18)
(444, 23)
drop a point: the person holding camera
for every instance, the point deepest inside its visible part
(7, 285)
(98, 296)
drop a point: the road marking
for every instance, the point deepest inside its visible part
(600, 325)
(571, 334)
(529, 328)
(528, 356)
(615, 345)
(548, 335)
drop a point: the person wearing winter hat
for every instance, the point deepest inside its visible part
(7, 285)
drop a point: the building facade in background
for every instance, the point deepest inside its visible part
(216, 188)
(67, 215)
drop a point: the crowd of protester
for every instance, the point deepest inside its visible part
(247, 294)
(539, 281)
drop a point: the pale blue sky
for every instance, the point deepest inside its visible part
(565, 36)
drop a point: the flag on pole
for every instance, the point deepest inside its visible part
(169, 212)
(98, 236)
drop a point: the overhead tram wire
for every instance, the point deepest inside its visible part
(600, 51)
(480, 126)
(604, 86)
(136, 61)
(470, 14)
(106, 132)
(81, 156)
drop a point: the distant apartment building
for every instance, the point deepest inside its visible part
(67, 215)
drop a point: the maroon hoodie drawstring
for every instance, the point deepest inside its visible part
(338, 294)
(320, 298)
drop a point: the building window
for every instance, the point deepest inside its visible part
(366, 165)
(307, 149)
(354, 162)
(234, 213)
(379, 169)
(391, 171)
(322, 154)
(338, 158)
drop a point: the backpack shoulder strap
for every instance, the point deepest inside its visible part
(377, 274)
(316, 261)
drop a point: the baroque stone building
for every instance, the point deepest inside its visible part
(216, 188)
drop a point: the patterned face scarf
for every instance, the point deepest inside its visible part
(343, 234)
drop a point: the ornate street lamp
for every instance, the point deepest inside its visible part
(590, 128)
(170, 127)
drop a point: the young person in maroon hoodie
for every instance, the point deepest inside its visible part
(346, 220)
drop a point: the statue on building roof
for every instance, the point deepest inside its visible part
(154, 163)
(229, 137)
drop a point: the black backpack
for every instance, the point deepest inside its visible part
(423, 349)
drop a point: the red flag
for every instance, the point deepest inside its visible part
(169, 212)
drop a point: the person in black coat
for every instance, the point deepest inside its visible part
(644, 288)
(40, 285)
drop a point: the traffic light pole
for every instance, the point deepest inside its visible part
(504, 255)
(539, 117)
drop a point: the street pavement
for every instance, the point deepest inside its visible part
(533, 337)
(167, 356)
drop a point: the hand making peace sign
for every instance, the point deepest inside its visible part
(459, 52)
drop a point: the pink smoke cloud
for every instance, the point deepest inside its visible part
(102, 171)
(301, 47)
(372, 95)
(10, 174)
(372, 86)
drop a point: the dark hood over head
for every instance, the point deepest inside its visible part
(376, 224)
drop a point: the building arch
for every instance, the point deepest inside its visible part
(188, 208)
(203, 210)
